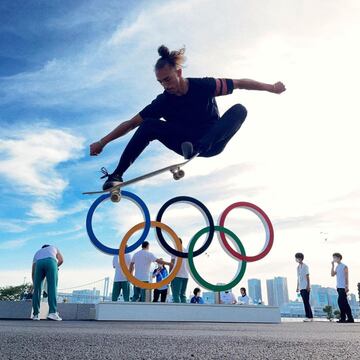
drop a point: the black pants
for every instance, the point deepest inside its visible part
(306, 300)
(158, 293)
(344, 306)
(209, 142)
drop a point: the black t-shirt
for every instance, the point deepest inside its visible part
(197, 109)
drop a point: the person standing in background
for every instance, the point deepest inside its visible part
(121, 283)
(142, 261)
(342, 284)
(303, 285)
(160, 273)
(45, 265)
(243, 298)
(197, 299)
(179, 284)
(227, 298)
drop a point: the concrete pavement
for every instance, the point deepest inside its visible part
(137, 340)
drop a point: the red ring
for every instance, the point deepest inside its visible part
(264, 219)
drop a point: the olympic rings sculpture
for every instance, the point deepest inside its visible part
(181, 256)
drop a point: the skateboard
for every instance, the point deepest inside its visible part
(115, 191)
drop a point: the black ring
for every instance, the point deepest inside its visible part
(205, 212)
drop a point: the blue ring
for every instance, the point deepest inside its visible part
(115, 251)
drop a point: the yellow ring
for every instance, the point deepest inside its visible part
(136, 282)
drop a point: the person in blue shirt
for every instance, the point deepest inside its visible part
(185, 113)
(197, 299)
(160, 273)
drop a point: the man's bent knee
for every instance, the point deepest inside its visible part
(239, 110)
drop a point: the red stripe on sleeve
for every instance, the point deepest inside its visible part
(217, 90)
(224, 92)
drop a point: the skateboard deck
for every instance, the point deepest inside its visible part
(175, 169)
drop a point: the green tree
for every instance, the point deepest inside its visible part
(328, 310)
(13, 293)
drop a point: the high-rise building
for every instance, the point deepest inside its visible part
(270, 292)
(254, 290)
(322, 296)
(208, 297)
(318, 296)
(352, 300)
(277, 290)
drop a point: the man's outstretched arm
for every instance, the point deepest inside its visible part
(126, 126)
(248, 84)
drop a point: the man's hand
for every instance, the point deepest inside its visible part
(297, 290)
(96, 148)
(308, 288)
(346, 289)
(278, 88)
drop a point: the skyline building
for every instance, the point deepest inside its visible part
(209, 297)
(277, 291)
(254, 290)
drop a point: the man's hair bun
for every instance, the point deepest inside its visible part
(163, 51)
(175, 58)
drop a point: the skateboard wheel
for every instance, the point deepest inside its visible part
(115, 197)
(181, 174)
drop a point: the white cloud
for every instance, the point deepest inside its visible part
(13, 244)
(29, 160)
(12, 226)
(29, 164)
(75, 229)
(43, 212)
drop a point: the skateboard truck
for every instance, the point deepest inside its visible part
(115, 195)
(177, 173)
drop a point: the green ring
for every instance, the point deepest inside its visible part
(197, 276)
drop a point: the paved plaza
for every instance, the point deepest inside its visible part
(137, 340)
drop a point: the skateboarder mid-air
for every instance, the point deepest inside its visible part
(190, 115)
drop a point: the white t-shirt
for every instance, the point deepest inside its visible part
(227, 298)
(119, 275)
(183, 272)
(302, 271)
(340, 276)
(46, 252)
(142, 260)
(245, 300)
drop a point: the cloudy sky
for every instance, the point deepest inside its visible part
(72, 71)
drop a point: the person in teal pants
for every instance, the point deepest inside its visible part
(45, 265)
(179, 284)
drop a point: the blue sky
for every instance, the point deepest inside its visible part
(71, 71)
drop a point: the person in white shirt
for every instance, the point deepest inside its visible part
(142, 261)
(227, 297)
(342, 284)
(46, 262)
(121, 283)
(243, 299)
(179, 284)
(303, 285)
